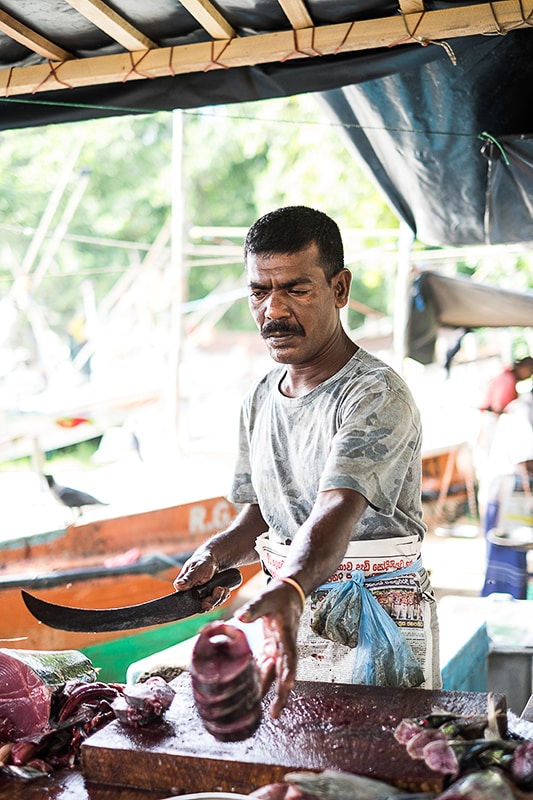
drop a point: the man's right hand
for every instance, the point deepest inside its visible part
(233, 547)
(197, 570)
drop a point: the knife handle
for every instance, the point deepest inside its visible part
(229, 578)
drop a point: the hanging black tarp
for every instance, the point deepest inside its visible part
(438, 301)
(213, 87)
(418, 133)
(509, 205)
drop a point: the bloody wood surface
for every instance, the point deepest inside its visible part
(343, 727)
(69, 785)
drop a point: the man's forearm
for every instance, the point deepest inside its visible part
(235, 546)
(321, 542)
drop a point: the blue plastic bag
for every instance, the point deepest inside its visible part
(382, 655)
(337, 616)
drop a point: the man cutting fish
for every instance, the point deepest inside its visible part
(329, 478)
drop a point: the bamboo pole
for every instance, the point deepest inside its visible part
(401, 295)
(179, 282)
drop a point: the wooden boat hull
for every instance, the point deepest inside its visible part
(179, 528)
(104, 564)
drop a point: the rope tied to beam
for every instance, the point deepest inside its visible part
(526, 20)
(501, 31)
(297, 52)
(134, 70)
(215, 61)
(9, 80)
(313, 48)
(421, 40)
(499, 28)
(170, 64)
(344, 40)
(52, 74)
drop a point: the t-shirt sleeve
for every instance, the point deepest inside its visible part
(376, 444)
(242, 489)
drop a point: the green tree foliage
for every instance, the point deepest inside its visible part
(273, 153)
(239, 161)
(269, 154)
(124, 164)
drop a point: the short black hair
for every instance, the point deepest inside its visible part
(293, 228)
(524, 362)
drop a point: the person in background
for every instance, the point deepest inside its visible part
(509, 479)
(328, 475)
(501, 390)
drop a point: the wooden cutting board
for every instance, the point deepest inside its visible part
(324, 726)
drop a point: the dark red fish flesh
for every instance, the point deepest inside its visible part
(225, 683)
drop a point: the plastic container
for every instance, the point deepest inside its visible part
(209, 796)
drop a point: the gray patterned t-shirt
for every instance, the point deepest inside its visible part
(359, 429)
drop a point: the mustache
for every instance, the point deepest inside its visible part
(281, 327)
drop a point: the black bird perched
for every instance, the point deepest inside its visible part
(72, 498)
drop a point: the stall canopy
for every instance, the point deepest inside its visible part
(421, 87)
(438, 301)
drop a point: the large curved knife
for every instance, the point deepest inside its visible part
(169, 608)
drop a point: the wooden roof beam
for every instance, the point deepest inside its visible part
(119, 29)
(412, 6)
(209, 18)
(31, 39)
(297, 13)
(434, 26)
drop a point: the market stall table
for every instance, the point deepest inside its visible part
(344, 727)
(324, 726)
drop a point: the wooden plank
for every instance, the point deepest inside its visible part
(324, 726)
(411, 6)
(297, 13)
(119, 29)
(209, 18)
(31, 39)
(433, 26)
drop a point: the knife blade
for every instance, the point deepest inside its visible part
(169, 608)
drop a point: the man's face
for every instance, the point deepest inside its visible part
(294, 307)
